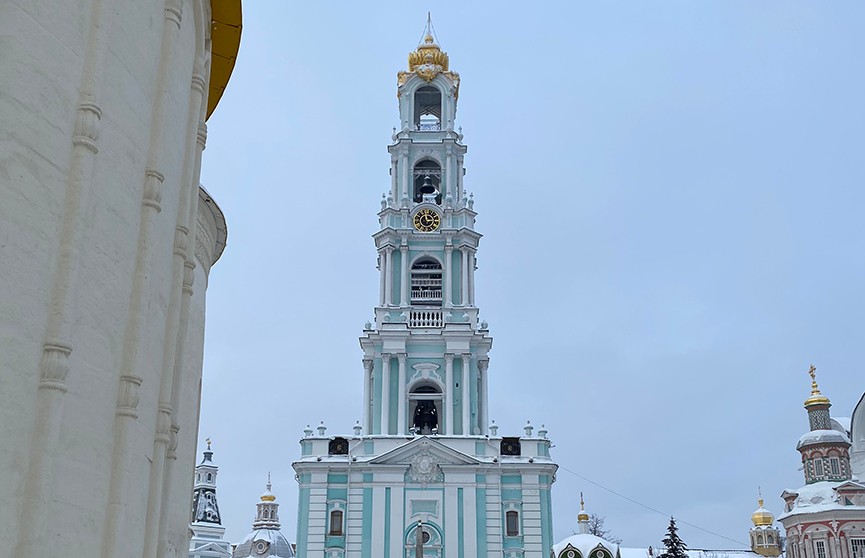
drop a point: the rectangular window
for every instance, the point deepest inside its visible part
(834, 466)
(512, 523)
(820, 548)
(858, 547)
(818, 468)
(335, 523)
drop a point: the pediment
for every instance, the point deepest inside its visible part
(849, 486)
(221, 548)
(437, 452)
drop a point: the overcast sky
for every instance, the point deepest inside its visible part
(672, 206)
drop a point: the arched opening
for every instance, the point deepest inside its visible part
(425, 408)
(512, 523)
(430, 538)
(426, 282)
(428, 109)
(427, 181)
(335, 523)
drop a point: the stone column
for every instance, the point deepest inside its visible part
(467, 407)
(394, 171)
(471, 278)
(385, 394)
(484, 420)
(464, 296)
(367, 407)
(388, 278)
(406, 176)
(382, 266)
(404, 289)
(400, 419)
(448, 269)
(449, 394)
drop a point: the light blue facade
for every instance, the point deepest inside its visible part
(425, 451)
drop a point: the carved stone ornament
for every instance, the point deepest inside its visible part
(424, 468)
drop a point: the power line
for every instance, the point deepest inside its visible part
(650, 508)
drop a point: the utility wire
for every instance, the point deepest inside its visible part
(650, 508)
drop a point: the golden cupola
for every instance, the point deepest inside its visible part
(761, 516)
(582, 516)
(816, 398)
(428, 60)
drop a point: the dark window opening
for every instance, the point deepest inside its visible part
(335, 523)
(512, 523)
(338, 446)
(510, 446)
(427, 181)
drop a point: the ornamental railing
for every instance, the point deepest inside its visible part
(429, 127)
(424, 172)
(432, 294)
(426, 318)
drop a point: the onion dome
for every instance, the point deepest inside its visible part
(582, 516)
(761, 516)
(816, 398)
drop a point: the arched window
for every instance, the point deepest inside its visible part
(759, 539)
(335, 523)
(512, 523)
(209, 477)
(770, 539)
(428, 109)
(425, 404)
(427, 180)
(426, 282)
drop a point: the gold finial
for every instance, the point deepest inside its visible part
(428, 36)
(816, 398)
(428, 60)
(582, 516)
(208, 443)
(268, 496)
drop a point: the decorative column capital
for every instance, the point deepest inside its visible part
(368, 363)
(389, 249)
(449, 358)
(401, 357)
(466, 357)
(483, 364)
(385, 357)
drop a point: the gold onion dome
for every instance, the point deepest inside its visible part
(816, 398)
(582, 516)
(761, 516)
(268, 496)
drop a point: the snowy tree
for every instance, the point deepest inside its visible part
(674, 547)
(596, 527)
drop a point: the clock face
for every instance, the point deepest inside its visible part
(427, 220)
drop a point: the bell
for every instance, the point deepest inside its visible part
(427, 186)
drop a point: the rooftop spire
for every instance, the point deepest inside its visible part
(817, 398)
(583, 517)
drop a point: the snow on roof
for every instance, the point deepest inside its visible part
(841, 422)
(586, 543)
(822, 437)
(816, 497)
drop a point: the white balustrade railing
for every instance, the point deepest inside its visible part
(426, 318)
(432, 294)
(415, 282)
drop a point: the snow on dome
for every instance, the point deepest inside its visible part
(584, 545)
(822, 437)
(268, 543)
(841, 424)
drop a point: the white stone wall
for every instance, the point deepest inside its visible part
(102, 105)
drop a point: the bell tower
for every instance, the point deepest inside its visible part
(426, 471)
(426, 258)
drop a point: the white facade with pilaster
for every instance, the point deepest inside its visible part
(107, 244)
(426, 451)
